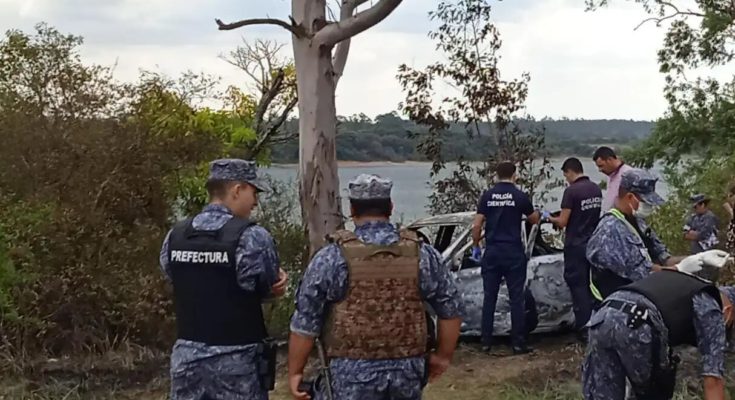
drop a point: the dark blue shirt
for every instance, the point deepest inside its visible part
(504, 207)
(584, 199)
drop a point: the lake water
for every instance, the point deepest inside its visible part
(411, 188)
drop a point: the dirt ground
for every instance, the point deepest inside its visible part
(551, 373)
(141, 374)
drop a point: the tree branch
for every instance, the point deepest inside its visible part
(659, 20)
(244, 65)
(284, 115)
(339, 60)
(267, 99)
(268, 137)
(332, 34)
(296, 30)
(669, 4)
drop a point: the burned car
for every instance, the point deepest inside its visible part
(547, 295)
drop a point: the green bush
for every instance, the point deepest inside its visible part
(711, 177)
(86, 193)
(92, 174)
(277, 213)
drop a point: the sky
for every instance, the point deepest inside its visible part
(582, 64)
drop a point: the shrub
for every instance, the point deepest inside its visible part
(278, 213)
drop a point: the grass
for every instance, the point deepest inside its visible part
(130, 372)
(553, 391)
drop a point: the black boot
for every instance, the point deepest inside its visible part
(582, 336)
(517, 350)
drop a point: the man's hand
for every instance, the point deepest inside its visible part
(448, 334)
(691, 264)
(709, 258)
(714, 258)
(438, 365)
(476, 253)
(293, 383)
(545, 216)
(691, 235)
(714, 388)
(279, 288)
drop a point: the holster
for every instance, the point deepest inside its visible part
(308, 387)
(267, 364)
(662, 381)
(431, 344)
(425, 376)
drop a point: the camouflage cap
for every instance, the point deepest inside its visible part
(235, 169)
(642, 183)
(698, 198)
(370, 187)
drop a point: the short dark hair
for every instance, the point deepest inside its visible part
(622, 192)
(217, 188)
(572, 164)
(505, 170)
(605, 153)
(371, 207)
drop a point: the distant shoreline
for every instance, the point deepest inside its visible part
(361, 164)
(368, 164)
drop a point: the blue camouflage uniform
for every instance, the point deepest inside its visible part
(325, 282)
(225, 372)
(614, 247)
(617, 246)
(617, 351)
(705, 225)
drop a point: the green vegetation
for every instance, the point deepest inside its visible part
(93, 172)
(391, 138)
(695, 139)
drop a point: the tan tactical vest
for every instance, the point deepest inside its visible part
(383, 314)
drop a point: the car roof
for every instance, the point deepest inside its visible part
(463, 218)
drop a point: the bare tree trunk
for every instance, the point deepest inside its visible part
(318, 179)
(313, 41)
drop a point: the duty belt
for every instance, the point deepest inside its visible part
(637, 314)
(660, 385)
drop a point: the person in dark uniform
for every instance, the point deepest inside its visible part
(580, 212)
(701, 228)
(500, 212)
(222, 266)
(635, 330)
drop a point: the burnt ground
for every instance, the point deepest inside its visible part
(552, 372)
(137, 373)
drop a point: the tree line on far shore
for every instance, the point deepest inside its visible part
(388, 137)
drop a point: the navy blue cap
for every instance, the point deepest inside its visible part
(698, 198)
(235, 169)
(642, 183)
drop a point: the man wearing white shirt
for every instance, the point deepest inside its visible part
(609, 164)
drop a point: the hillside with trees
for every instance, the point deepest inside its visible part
(389, 137)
